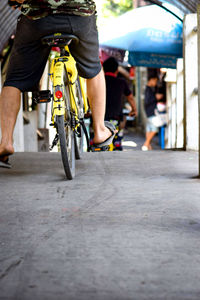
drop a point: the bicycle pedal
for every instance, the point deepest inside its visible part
(55, 141)
(42, 96)
(99, 149)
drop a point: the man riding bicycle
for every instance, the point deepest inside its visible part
(29, 56)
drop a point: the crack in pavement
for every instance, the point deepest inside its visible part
(10, 268)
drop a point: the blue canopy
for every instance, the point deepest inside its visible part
(147, 32)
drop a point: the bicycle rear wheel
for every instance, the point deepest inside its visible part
(66, 136)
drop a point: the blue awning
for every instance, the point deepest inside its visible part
(145, 32)
(152, 60)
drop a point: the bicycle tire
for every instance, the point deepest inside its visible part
(66, 133)
(66, 138)
(78, 137)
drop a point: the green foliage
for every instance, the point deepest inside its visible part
(116, 7)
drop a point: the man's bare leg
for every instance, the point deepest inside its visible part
(9, 108)
(96, 91)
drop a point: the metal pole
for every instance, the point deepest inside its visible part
(198, 23)
(138, 93)
(184, 94)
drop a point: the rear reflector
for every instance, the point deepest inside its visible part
(58, 94)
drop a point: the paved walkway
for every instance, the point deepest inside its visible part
(127, 227)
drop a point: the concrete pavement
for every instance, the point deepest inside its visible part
(127, 227)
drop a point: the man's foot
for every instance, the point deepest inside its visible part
(4, 162)
(105, 137)
(5, 152)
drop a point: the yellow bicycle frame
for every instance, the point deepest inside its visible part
(56, 72)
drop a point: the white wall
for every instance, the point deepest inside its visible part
(191, 82)
(180, 105)
(175, 93)
(30, 132)
(170, 131)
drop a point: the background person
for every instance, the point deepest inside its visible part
(150, 105)
(116, 88)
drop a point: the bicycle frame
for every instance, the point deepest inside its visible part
(57, 69)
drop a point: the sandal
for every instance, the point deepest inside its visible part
(4, 162)
(109, 140)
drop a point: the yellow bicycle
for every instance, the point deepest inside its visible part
(69, 102)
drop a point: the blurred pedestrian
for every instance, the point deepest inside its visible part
(116, 88)
(150, 105)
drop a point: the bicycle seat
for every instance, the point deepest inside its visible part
(59, 39)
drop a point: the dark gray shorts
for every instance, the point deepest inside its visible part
(29, 56)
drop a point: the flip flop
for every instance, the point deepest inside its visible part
(145, 148)
(4, 163)
(109, 140)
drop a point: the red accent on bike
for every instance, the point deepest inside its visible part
(58, 94)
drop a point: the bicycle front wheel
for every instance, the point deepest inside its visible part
(66, 137)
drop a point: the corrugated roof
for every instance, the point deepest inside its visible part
(186, 6)
(8, 21)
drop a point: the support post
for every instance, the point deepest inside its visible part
(184, 94)
(138, 93)
(198, 25)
